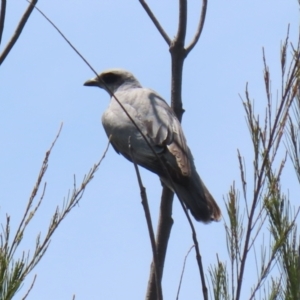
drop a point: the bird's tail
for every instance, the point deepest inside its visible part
(198, 199)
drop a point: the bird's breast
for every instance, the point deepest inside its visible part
(117, 125)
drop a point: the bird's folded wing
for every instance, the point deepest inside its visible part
(164, 129)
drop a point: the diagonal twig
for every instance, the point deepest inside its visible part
(182, 272)
(200, 27)
(18, 30)
(2, 17)
(162, 237)
(149, 222)
(36, 187)
(198, 254)
(65, 38)
(155, 21)
(30, 288)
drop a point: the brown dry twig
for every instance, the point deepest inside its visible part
(22, 266)
(155, 22)
(182, 272)
(199, 29)
(18, 30)
(2, 17)
(30, 288)
(149, 222)
(27, 216)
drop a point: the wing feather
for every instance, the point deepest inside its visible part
(164, 129)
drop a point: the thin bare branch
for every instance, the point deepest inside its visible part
(59, 215)
(155, 22)
(65, 38)
(2, 17)
(199, 29)
(18, 30)
(181, 31)
(149, 223)
(42, 172)
(30, 288)
(260, 225)
(197, 250)
(182, 272)
(164, 227)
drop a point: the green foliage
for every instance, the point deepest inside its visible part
(14, 269)
(267, 209)
(220, 282)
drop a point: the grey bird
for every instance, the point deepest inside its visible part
(157, 121)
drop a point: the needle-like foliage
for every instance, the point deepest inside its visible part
(266, 209)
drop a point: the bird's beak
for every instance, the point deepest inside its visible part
(92, 82)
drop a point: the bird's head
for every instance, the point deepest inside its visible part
(114, 79)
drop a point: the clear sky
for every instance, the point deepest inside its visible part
(102, 249)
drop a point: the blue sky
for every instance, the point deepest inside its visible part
(102, 249)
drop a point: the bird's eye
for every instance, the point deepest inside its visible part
(110, 78)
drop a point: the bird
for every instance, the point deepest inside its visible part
(168, 154)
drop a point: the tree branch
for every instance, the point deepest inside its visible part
(162, 238)
(272, 144)
(2, 17)
(197, 249)
(65, 38)
(176, 81)
(18, 31)
(181, 32)
(199, 29)
(30, 288)
(149, 223)
(26, 216)
(182, 272)
(178, 54)
(155, 21)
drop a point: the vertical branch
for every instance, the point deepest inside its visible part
(162, 238)
(176, 81)
(178, 54)
(149, 224)
(18, 30)
(181, 31)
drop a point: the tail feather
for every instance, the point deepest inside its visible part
(195, 195)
